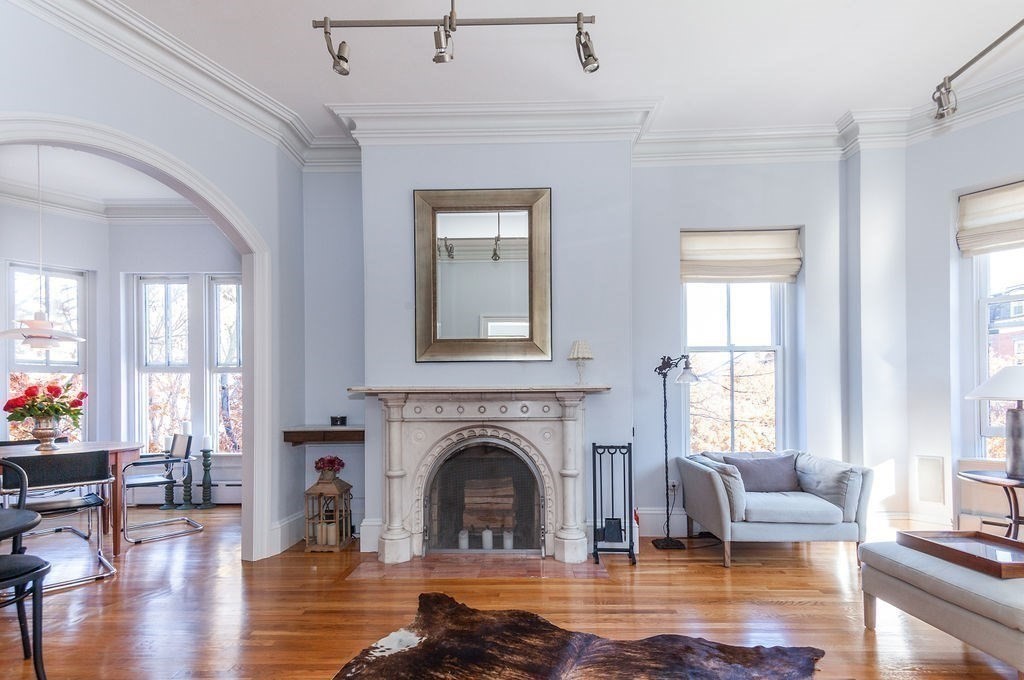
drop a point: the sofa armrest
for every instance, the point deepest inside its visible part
(842, 484)
(704, 498)
(867, 479)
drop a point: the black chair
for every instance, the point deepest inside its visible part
(64, 484)
(177, 458)
(18, 570)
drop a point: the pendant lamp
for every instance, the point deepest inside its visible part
(39, 332)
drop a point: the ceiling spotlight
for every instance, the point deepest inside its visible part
(444, 46)
(945, 99)
(340, 58)
(585, 47)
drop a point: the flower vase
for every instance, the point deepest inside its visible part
(328, 475)
(45, 429)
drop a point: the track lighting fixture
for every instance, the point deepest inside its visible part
(944, 97)
(585, 48)
(340, 57)
(444, 47)
(444, 51)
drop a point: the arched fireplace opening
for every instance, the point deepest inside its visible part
(484, 497)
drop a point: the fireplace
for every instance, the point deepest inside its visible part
(472, 428)
(484, 496)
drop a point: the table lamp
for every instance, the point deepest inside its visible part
(1008, 385)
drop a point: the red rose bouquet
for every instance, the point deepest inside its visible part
(329, 463)
(46, 401)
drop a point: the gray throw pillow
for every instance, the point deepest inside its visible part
(777, 473)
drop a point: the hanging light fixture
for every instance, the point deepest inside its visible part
(39, 332)
(446, 26)
(496, 253)
(944, 97)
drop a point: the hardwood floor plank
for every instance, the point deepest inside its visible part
(187, 607)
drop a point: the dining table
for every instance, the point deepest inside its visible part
(119, 453)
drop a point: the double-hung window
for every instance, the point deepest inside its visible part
(990, 231)
(189, 359)
(734, 299)
(61, 294)
(733, 337)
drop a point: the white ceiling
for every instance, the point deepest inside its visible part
(712, 66)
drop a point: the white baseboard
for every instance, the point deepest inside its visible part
(652, 522)
(286, 533)
(369, 532)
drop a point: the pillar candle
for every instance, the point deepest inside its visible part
(463, 540)
(207, 443)
(506, 539)
(186, 427)
(167, 442)
(488, 539)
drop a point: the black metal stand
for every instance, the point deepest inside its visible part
(613, 523)
(667, 542)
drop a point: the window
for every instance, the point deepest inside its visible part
(733, 336)
(1000, 277)
(189, 359)
(62, 294)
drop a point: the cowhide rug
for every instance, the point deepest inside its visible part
(450, 640)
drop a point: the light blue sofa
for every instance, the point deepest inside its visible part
(831, 504)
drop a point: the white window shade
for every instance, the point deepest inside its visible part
(991, 220)
(740, 255)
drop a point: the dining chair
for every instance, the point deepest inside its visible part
(24, 573)
(163, 475)
(65, 484)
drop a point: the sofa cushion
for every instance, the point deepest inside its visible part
(835, 481)
(998, 599)
(730, 477)
(719, 456)
(775, 473)
(794, 507)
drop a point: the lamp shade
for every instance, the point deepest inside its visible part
(1006, 385)
(580, 350)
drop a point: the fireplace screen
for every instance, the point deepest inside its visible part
(483, 498)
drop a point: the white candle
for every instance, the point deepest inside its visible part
(186, 427)
(207, 443)
(488, 539)
(506, 539)
(167, 442)
(463, 540)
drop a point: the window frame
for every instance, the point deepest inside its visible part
(82, 364)
(212, 323)
(780, 333)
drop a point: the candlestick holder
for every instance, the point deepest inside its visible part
(207, 481)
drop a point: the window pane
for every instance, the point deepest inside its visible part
(710, 408)
(228, 398)
(63, 312)
(1006, 275)
(995, 447)
(1005, 342)
(750, 313)
(228, 333)
(167, 406)
(166, 324)
(19, 381)
(156, 336)
(754, 396)
(705, 314)
(177, 294)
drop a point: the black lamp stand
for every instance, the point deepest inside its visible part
(667, 364)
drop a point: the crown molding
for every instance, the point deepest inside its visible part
(126, 35)
(110, 212)
(872, 129)
(495, 123)
(976, 104)
(737, 145)
(332, 154)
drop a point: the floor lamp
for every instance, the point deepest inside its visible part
(687, 377)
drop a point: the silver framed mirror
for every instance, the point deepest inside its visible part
(483, 275)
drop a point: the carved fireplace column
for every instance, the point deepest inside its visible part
(395, 544)
(570, 538)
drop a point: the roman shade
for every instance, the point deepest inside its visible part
(769, 255)
(991, 220)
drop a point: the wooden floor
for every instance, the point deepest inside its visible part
(188, 607)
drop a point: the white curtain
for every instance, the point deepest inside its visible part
(991, 220)
(740, 255)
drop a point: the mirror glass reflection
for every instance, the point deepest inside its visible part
(483, 274)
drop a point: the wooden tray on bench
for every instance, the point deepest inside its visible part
(993, 555)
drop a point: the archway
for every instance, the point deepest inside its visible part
(256, 271)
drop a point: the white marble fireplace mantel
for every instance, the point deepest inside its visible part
(423, 425)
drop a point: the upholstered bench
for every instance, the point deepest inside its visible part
(981, 610)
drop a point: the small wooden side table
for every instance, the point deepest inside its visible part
(1009, 486)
